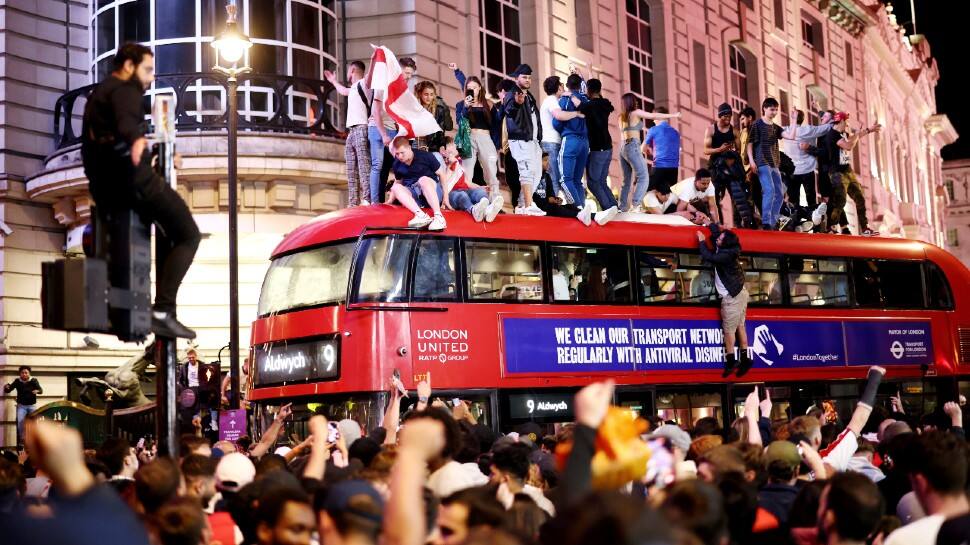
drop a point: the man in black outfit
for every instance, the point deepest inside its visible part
(27, 389)
(118, 166)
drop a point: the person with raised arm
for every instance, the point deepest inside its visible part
(632, 161)
(478, 112)
(357, 148)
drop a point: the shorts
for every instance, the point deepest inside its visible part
(528, 157)
(733, 310)
(663, 178)
(418, 195)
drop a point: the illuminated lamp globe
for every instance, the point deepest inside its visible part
(231, 45)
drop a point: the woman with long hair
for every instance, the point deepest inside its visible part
(428, 97)
(631, 156)
(476, 109)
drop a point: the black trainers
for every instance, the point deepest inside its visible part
(165, 325)
(745, 364)
(730, 362)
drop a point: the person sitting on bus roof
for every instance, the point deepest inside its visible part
(417, 175)
(460, 194)
(662, 200)
(545, 198)
(729, 282)
(696, 194)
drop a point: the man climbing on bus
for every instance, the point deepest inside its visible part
(729, 283)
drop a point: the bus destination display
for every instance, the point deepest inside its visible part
(298, 362)
(541, 405)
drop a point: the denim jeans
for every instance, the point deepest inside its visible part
(464, 199)
(632, 162)
(554, 173)
(22, 412)
(597, 171)
(572, 160)
(772, 194)
(376, 159)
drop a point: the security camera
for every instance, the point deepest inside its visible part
(5, 229)
(91, 342)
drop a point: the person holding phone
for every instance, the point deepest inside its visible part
(27, 389)
(475, 110)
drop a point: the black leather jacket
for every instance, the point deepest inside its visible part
(518, 117)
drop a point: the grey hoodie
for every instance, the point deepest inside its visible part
(805, 162)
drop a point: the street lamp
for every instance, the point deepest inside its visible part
(231, 46)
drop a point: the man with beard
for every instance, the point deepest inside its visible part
(849, 510)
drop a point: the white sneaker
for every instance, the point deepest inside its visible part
(638, 209)
(420, 220)
(478, 211)
(586, 214)
(520, 210)
(494, 208)
(365, 202)
(819, 213)
(438, 223)
(607, 215)
(534, 210)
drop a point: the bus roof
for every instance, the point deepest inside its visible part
(349, 223)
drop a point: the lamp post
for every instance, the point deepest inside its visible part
(231, 46)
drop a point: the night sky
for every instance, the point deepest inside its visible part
(944, 24)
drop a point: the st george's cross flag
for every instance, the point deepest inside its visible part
(386, 78)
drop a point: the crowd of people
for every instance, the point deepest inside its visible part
(754, 173)
(436, 475)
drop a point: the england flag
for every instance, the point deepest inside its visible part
(386, 77)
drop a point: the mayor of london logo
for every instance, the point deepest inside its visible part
(896, 349)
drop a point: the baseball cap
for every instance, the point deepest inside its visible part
(678, 437)
(783, 451)
(350, 430)
(724, 109)
(522, 70)
(234, 471)
(340, 499)
(839, 117)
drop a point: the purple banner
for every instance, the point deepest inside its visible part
(889, 342)
(232, 425)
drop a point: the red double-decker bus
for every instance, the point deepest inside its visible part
(514, 316)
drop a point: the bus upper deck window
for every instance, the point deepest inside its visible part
(503, 271)
(599, 275)
(383, 268)
(817, 282)
(307, 278)
(762, 280)
(937, 287)
(888, 283)
(434, 271)
(695, 279)
(657, 277)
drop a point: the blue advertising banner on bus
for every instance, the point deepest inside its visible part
(564, 345)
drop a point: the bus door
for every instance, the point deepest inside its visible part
(779, 394)
(638, 399)
(686, 404)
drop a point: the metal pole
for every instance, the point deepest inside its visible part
(233, 246)
(166, 411)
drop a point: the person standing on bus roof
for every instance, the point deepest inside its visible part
(729, 282)
(417, 175)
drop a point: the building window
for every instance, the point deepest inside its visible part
(700, 72)
(784, 106)
(951, 238)
(584, 24)
(949, 188)
(739, 78)
(640, 50)
(501, 48)
(812, 34)
(849, 68)
(780, 14)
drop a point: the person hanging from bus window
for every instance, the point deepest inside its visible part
(696, 193)
(547, 201)
(417, 174)
(460, 194)
(729, 283)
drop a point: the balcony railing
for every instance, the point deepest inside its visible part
(268, 103)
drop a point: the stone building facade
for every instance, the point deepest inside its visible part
(957, 185)
(686, 55)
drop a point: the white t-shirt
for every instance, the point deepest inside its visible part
(193, 374)
(388, 120)
(840, 452)
(549, 134)
(560, 287)
(719, 286)
(921, 532)
(686, 191)
(653, 202)
(356, 108)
